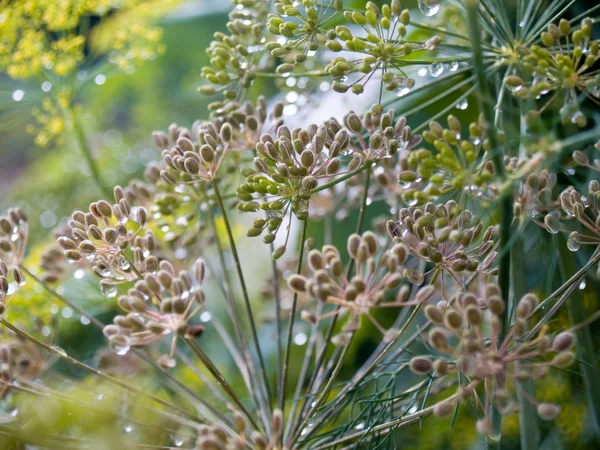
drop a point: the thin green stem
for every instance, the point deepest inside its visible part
(288, 342)
(248, 306)
(277, 301)
(528, 417)
(229, 297)
(340, 179)
(364, 371)
(329, 333)
(486, 106)
(86, 152)
(203, 357)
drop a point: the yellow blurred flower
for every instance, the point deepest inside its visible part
(49, 39)
(38, 35)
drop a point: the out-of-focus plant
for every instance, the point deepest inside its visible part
(65, 46)
(466, 328)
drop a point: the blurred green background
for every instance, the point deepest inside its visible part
(119, 114)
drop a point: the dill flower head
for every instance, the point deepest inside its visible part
(468, 338)
(562, 66)
(14, 231)
(162, 302)
(454, 163)
(190, 161)
(381, 48)
(374, 276)
(107, 239)
(583, 208)
(533, 196)
(248, 120)
(385, 135)
(13, 244)
(288, 167)
(302, 27)
(19, 360)
(444, 235)
(235, 57)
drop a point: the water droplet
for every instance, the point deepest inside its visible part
(436, 69)
(453, 66)
(79, 274)
(429, 7)
(205, 316)
(123, 263)
(18, 95)
(108, 288)
(300, 338)
(119, 348)
(582, 285)
(59, 350)
(573, 242)
(462, 105)
(522, 23)
(401, 92)
(100, 79)
(128, 428)
(167, 362)
(577, 115)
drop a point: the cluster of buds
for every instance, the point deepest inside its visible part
(455, 164)
(19, 360)
(13, 243)
(302, 25)
(233, 57)
(375, 275)
(467, 337)
(386, 135)
(383, 44)
(248, 121)
(161, 303)
(583, 208)
(533, 195)
(103, 236)
(216, 437)
(446, 237)
(566, 63)
(8, 288)
(14, 231)
(287, 169)
(189, 161)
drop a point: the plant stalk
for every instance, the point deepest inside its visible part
(244, 290)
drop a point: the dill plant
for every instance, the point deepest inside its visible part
(463, 321)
